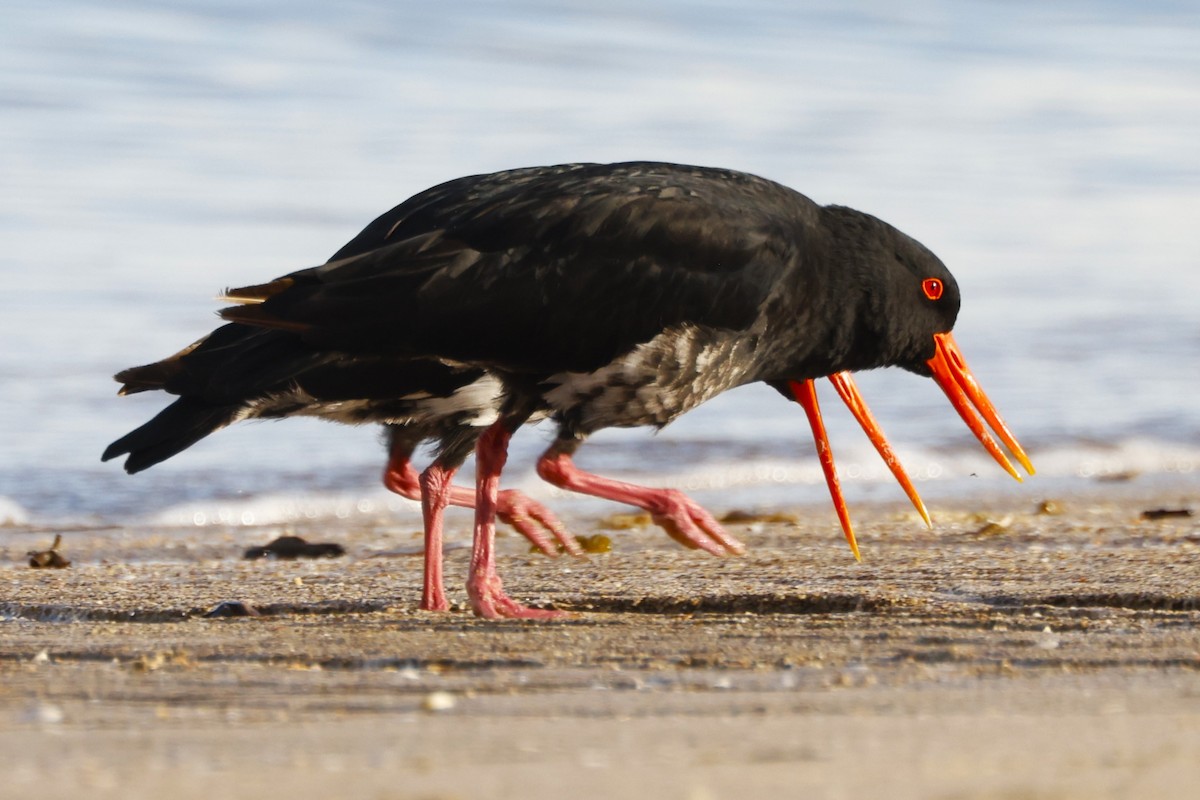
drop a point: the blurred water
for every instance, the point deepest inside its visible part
(154, 152)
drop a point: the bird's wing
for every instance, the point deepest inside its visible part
(563, 271)
(434, 208)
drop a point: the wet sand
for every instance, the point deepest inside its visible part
(1007, 654)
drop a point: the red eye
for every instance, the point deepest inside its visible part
(932, 288)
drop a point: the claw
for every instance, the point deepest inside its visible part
(489, 601)
(531, 519)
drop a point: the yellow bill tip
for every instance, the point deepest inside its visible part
(925, 517)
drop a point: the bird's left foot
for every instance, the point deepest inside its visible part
(681, 517)
(488, 600)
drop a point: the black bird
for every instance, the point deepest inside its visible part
(626, 295)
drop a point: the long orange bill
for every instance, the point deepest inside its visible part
(951, 373)
(853, 399)
(805, 393)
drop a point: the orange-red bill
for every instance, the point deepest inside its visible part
(951, 373)
(848, 391)
(805, 393)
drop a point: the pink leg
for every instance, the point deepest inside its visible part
(435, 492)
(529, 518)
(400, 476)
(488, 599)
(680, 516)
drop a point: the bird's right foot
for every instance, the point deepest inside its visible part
(682, 518)
(688, 523)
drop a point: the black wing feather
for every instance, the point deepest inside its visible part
(173, 430)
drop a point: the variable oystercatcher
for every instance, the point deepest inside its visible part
(626, 295)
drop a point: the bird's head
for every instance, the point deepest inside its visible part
(892, 295)
(908, 305)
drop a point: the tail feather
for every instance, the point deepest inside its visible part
(146, 378)
(258, 293)
(233, 364)
(257, 316)
(219, 379)
(176, 428)
(154, 376)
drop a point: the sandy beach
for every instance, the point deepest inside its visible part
(1009, 653)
